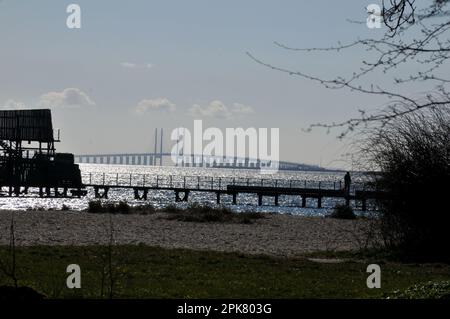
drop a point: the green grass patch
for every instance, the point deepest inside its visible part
(151, 272)
(429, 290)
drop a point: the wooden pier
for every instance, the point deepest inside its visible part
(183, 186)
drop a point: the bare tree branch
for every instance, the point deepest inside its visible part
(411, 38)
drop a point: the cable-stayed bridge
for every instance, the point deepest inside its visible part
(159, 158)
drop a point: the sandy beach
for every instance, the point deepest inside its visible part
(275, 235)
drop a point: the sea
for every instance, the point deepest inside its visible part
(202, 177)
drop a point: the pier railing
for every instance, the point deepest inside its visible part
(206, 182)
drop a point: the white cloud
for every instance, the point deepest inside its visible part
(12, 105)
(132, 65)
(160, 104)
(218, 109)
(128, 65)
(70, 97)
(241, 109)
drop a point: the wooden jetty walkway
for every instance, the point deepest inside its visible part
(183, 186)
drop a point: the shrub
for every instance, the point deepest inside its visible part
(122, 208)
(110, 208)
(207, 214)
(145, 209)
(171, 209)
(343, 212)
(65, 207)
(413, 154)
(95, 207)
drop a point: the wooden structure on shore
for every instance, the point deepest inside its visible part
(28, 158)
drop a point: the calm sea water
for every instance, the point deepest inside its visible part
(206, 177)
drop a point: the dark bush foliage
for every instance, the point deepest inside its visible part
(145, 209)
(413, 154)
(123, 208)
(343, 212)
(193, 213)
(95, 207)
(204, 214)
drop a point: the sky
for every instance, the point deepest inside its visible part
(134, 66)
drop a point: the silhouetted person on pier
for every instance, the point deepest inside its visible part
(347, 182)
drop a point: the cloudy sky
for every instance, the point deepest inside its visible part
(137, 65)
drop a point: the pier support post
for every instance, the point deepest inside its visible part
(319, 202)
(179, 199)
(276, 200)
(303, 201)
(234, 198)
(218, 197)
(364, 205)
(98, 194)
(259, 199)
(138, 196)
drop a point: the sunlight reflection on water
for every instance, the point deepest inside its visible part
(160, 198)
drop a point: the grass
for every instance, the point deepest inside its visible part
(429, 290)
(152, 272)
(193, 213)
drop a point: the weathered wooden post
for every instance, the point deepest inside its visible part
(218, 197)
